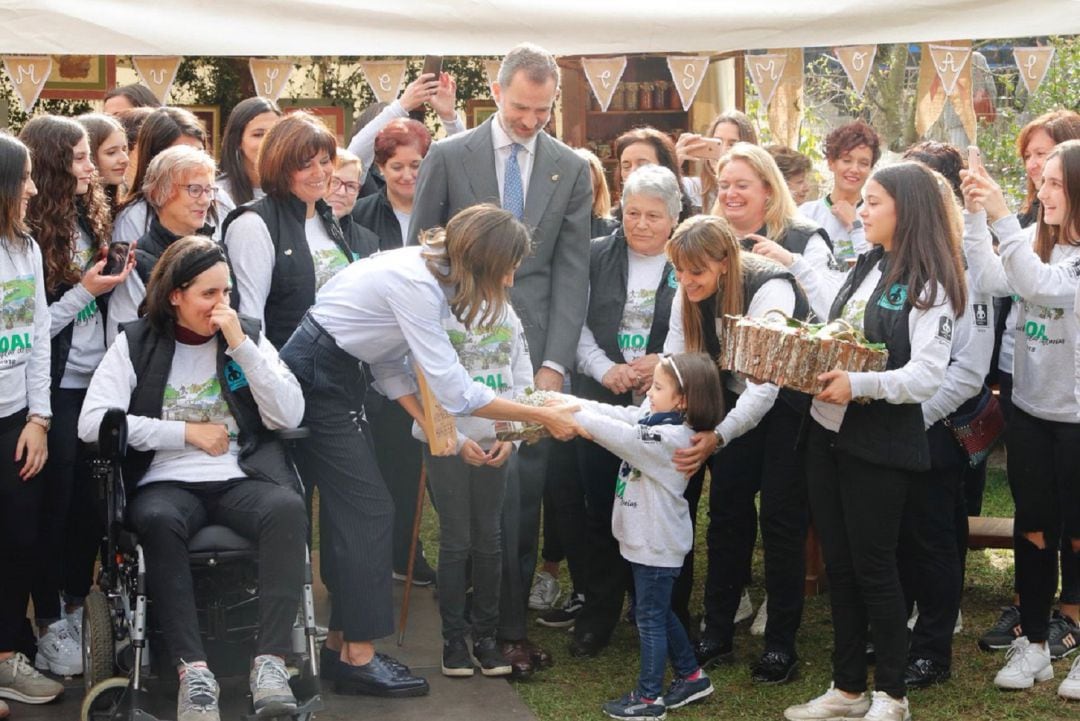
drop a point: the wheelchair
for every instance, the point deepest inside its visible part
(119, 659)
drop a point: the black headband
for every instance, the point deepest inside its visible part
(196, 263)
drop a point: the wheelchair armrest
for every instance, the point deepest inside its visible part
(112, 435)
(292, 434)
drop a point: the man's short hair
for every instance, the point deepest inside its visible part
(538, 65)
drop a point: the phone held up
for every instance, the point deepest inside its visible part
(116, 258)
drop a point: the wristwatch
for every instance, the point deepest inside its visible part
(43, 421)
(719, 441)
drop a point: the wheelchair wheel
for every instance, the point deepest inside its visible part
(102, 702)
(99, 660)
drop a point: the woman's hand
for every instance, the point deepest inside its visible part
(419, 91)
(444, 100)
(224, 319)
(620, 378)
(837, 388)
(499, 453)
(99, 284)
(473, 454)
(33, 447)
(980, 191)
(213, 438)
(844, 211)
(772, 250)
(702, 445)
(687, 143)
(560, 423)
(644, 367)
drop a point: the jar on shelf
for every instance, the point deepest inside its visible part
(659, 94)
(618, 98)
(632, 95)
(645, 91)
(674, 102)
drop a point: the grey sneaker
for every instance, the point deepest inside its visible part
(197, 699)
(270, 692)
(830, 706)
(19, 681)
(545, 592)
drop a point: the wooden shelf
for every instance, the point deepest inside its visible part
(634, 112)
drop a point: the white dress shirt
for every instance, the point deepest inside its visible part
(502, 141)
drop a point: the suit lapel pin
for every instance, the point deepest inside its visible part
(555, 178)
(288, 251)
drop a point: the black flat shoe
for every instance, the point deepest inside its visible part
(586, 645)
(709, 652)
(923, 673)
(378, 678)
(774, 667)
(329, 660)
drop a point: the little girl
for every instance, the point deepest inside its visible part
(468, 490)
(651, 519)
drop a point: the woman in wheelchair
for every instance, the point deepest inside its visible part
(203, 389)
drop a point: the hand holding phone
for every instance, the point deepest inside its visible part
(707, 148)
(975, 159)
(116, 258)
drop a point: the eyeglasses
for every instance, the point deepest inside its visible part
(197, 191)
(350, 188)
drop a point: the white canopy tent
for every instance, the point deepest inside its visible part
(490, 27)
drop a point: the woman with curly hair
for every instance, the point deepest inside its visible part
(69, 217)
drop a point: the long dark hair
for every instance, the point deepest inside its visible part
(99, 127)
(232, 151)
(160, 130)
(13, 159)
(924, 247)
(53, 214)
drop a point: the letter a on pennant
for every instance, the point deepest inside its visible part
(157, 73)
(28, 74)
(384, 77)
(270, 76)
(1033, 64)
(687, 72)
(857, 61)
(604, 75)
(766, 70)
(949, 62)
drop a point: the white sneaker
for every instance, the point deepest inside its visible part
(757, 628)
(1025, 664)
(829, 706)
(885, 708)
(58, 651)
(545, 592)
(745, 609)
(1070, 687)
(74, 622)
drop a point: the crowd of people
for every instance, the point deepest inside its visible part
(296, 282)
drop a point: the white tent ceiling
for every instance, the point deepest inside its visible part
(490, 27)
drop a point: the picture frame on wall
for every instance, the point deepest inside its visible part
(210, 116)
(80, 77)
(478, 110)
(334, 116)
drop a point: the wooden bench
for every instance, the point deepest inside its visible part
(989, 532)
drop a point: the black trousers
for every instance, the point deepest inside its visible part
(765, 458)
(20, 516)
(857, 508)
(399, 457)
(356, 512)
(564, 512)
(1042, 463)
(165, 517)
(71, 523)
(521, 534)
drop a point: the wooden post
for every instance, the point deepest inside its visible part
(404, 621)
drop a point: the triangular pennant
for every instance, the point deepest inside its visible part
(491, 69)
(28, 73)
(949, 62)
(270, 76)
(786, 109)
(857, 61)
(157, 73)
(604, 75)
(766, 70)
(384, 77)
(687, 72)
(1033, 64)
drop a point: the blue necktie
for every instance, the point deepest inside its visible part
(513, 193)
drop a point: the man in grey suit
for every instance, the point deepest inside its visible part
(509, 161)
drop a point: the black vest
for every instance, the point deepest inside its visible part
(375, 213)
(261, 455)
(796, 237)
(292, 285)
(888, 434)
(154, 242)
(609, 266)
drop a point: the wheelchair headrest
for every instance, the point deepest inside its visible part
(112, 436)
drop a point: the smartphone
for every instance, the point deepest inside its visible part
(974, 158)
(116, 258)
(707, 148)
(432, 64)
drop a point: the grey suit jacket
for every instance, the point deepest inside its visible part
(550, 290)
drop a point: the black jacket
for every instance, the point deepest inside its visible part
(375, 213)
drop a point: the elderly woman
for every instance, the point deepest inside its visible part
(631, 286)
(344, 187)
(179, 188)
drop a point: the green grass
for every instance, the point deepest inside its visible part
(575, 688)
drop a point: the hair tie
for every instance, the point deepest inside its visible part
(678, 376)
(193, 264)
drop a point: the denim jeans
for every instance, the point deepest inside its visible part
(661, 634)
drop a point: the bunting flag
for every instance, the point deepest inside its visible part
(949, 62)
(157, 73)
(857, 61)
(604, 75)
(491, 70)
(786, 109)
(766, 70)
(270, 76)
(28, 74)
(385, 78)
(1033, 64)
(945, 75)
(688, 72)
